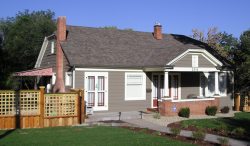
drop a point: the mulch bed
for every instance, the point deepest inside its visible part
(170, 136)
(211, 131)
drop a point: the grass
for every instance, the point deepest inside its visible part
(90, 136)
(241, 119)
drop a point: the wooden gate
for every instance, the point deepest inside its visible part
(246, 104)
(34, 109)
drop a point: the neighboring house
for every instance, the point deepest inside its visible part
(124, 70)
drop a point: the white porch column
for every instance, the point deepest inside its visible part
(216, 83)
(166, 88)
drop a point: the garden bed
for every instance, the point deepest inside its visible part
(235, 127)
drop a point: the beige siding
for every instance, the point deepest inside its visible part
(186, 61)
(190, 84)
(116, 92)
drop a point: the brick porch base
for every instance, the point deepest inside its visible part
(169, 108)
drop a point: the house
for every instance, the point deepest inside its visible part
(125, 70)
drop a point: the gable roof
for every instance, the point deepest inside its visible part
(102, 47)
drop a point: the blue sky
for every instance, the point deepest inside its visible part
(176, 16)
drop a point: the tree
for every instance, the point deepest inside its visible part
(242, 62)
(213, 38)
(23, 37)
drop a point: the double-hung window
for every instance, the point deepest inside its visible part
(135, 86)
(207, 84)
(53, 78)
(223, 83)
(68, 78)
(52, 49)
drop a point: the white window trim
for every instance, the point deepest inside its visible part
(105, 74)
(143, 87)
(223, 94)
(195, 61)
(206, 89)
(53, 78)
(52, 47)
(68, 79)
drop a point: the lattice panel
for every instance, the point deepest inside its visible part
(60, 105)
(29, 102)
(7, 103)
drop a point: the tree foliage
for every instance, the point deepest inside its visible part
(243, 63)
(236, 51)
(213, 38)
(22, 37)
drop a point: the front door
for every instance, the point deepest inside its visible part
(158, 88)
(96, 90)
(175, 89)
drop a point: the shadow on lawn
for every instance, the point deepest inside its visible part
(6, 133)
(235, 123)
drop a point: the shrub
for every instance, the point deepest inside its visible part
(184, 112)
(211, 110)
(222, 128)
(184, 125)
(175, 131)
(223, 141)
(238, 131)
(157, 116)
(199, 134)
(225, 109)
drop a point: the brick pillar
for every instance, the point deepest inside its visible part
(61, 36)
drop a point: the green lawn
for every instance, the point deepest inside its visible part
(87, 136)
(240, 120)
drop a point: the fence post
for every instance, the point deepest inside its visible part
(82, 105)
(79, 106)
(41, 106)
(237, 102)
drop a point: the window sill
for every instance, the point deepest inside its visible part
(196, 99)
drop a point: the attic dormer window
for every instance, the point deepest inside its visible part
(52, 47)
(195, 62)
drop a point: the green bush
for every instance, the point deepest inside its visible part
(238, 131)
(223, 141)
(222, 128)
(175, 131)
(184, 112)
(184, 125)
(225, 110)
(199, 134)
(157, 116)
(211, 110)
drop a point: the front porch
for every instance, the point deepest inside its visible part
(173, 90)
(188, 86)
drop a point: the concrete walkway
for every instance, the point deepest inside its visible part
(209, 137)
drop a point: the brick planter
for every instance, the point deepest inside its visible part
(169, 108)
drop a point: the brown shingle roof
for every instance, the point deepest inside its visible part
(102, 47)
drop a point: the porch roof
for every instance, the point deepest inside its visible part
(35, 72)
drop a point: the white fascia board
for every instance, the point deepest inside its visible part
(42, 51)
(153, 69)
(190, 69)
(203, 51)
(103, 69)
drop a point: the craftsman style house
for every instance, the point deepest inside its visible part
(125, 70)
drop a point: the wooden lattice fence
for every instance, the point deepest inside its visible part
(34, 109)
